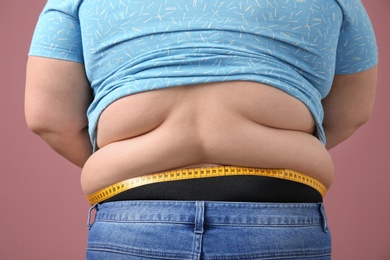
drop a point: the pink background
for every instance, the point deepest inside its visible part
(43, 211)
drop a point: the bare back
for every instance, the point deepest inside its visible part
(231, 123)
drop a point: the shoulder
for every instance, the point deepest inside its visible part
(65, 7)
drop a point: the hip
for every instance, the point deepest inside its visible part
(209, 230)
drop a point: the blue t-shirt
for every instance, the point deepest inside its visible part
(131, 46)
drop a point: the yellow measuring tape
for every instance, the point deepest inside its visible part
(208, 172)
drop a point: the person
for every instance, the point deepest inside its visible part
(202, 127)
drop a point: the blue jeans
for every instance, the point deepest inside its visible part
(208, 230)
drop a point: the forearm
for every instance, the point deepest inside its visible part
(75, 147)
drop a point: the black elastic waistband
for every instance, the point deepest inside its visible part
(225, 188)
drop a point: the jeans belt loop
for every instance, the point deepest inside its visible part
(89, 223)
(324, 218)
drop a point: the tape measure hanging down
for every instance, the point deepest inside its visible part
(208, 172)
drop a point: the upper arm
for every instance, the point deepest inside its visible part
(350, 101)
(57, 90)
(57, 95)
(353, 89)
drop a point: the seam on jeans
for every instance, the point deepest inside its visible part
(275, 255)
(276, 225)
(144, 221)
(266, 225)
(137, 252)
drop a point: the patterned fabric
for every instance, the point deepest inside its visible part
(131, 46)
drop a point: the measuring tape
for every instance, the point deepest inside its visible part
(208, 172)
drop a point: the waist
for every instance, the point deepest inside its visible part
(223, 183)
(240, 123)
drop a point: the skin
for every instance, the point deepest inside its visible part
(349, 105)
(56, 100)
(231, 123)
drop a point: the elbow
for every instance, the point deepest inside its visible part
(37, 119)
(42, 125)
(40, 128)
(39, 122)
(37, 125)
(361, 118)
(341, 130)
(43, 120)
(58, 135)
(353, 123)
(45, 130)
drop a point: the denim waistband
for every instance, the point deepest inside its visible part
(213, 213)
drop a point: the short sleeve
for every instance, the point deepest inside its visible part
(57, 33)
(357, 48)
